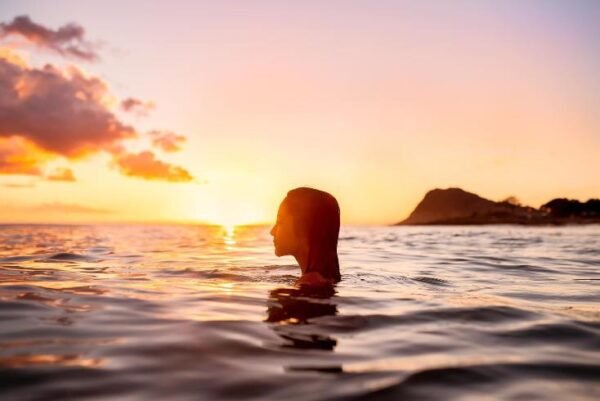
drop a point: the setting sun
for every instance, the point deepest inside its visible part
(229, 213)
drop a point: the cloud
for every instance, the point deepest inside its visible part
(58, 207)
(145, 165)
(19, 156)
(47, 113)
(61, 174)
(137, 106)
(12, 57)
(18, 185)
(62, 112)
(167, 141)
(68, 40)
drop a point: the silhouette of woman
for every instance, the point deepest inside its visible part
(307, 228)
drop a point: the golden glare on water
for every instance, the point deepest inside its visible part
(229, 235)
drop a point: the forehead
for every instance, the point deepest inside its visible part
(283, 210)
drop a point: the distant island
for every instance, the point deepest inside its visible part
(454, 206)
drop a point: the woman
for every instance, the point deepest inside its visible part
(307, 228)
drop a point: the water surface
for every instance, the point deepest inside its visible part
(189, 313)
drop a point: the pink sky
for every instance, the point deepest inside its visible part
(376, 102)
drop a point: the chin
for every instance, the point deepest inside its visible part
(279, 252)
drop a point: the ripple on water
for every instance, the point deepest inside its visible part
(583, 336)
(441, 316)
(423, 313)
(475, 381)
(68, 257)
(16, 259)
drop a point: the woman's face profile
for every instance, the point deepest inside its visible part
(307, 228)
(284, 234)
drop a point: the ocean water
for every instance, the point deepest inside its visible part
(209, 313)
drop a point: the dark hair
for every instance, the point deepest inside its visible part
(316, 216)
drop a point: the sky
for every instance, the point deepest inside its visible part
(179, 111)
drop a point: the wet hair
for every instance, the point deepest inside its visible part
(316, 216)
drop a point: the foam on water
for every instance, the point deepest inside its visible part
(186, 313)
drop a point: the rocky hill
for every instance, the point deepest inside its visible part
(456, 206)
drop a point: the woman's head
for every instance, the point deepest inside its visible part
(307, 227)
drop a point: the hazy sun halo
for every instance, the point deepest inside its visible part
(230, 214)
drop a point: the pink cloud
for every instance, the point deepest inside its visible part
(61, 174)
(61, 112)
(137, 106)
(167, 141)
(48, 113)
(18, 156)
(68, 40)
(145, 165)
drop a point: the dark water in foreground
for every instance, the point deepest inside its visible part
(198, 313)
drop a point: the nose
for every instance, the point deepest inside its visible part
(272, 232)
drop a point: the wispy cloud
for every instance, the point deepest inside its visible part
(145, 165)
(137, 106)
(167, 141)
(18, 185)
(68, 40)
(61, 174)
(66, 208)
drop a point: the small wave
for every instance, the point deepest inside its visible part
(435, 383)
(515, 266)
(68, 257)
(373, 278)
(319, 369)
(589, 251)
(101, 250)
(267, 274)
(584, 336)
(348, 238)
(81, 290)
(488, 314)
(519, 240)
(16, 259)
(217, 275)
(16, 308)
(275, 267)
(491, 314)
(431, 280)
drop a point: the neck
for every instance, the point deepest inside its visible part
(317, 266)
(302, 259)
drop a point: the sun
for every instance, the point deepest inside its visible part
(233, 219)
(230, 214)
